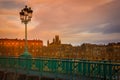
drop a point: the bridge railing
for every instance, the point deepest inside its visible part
(93, 69)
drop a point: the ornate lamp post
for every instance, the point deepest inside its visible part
(25, 16)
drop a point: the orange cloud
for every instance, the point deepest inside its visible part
(69, 18)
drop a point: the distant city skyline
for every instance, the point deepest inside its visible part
(75, 21)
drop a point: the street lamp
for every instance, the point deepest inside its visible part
(25, 16)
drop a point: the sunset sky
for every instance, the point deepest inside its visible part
(75, 21)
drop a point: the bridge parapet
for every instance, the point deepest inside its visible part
(72, 67)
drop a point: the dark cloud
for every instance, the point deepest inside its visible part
(106, 28)
(110, 19)
(95, 19)
(10, 4)
(112, 28)
(105, 41)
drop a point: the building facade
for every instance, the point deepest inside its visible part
(55, 49)
(85, 51)
(15, 47)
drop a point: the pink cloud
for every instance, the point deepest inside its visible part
(62, 17)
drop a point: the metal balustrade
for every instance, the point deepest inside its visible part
(106, 70)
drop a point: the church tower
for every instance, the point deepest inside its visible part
(48, 43)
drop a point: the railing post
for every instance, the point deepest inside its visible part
(110, 71)
(88, 68)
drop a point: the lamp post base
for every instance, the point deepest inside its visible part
(26, 54)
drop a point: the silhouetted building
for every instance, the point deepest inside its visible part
(56, 49)
(56, 41)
